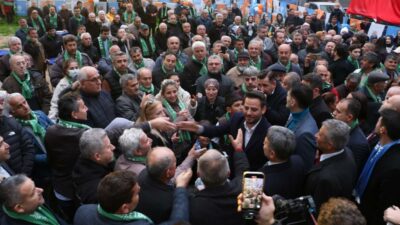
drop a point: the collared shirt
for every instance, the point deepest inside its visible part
(329, 155)
(269, 163)
(249, 132)
(3, 173)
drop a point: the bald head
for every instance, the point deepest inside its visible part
(392, 103)
(395, 90)
(213, 168)
(161, 163)
(284, 52)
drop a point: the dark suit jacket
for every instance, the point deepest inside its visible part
(277, 113)
(218, 205)
(7, 168)
(285, 179)
(333, 177)
(358, 144)
(383, 187)
(320, 111)
(254, 148)
(306, 145)
(373, 111)
(156, 198)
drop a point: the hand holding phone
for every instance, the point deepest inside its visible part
(253, 183)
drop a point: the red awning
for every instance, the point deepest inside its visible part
(382, 10)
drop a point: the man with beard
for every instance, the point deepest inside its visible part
(251, 125)
(214, 65)
(137, 60)
(111, 79)
(250, 83)
(128, 104)
(312, 47)
(284, 52)
(236, 72)
(54, 19)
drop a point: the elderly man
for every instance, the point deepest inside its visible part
(348, 110)
(217, 29)
(92, 26)
(36, 123)
(30, 84)
(134, 145)
(112, 207)
(22, 32)
(279, 146)
(52, 18)
(217, 202)
(284, 52)
(110, 82)
(70, 50)
(145, 79)
(15, 47)
(155, 182)
(23, 203)
(257, 58)
(250, 81)
(336, 174)
(173, 45)
(128, 104)
(169, 65)
(214, 65)
(277, 113)
(351, 84)
(301, 122)
(138, 61)
(94, 163)
(37, 22)
(99, 102)
(105, 65)
(195, 68)
(289, 80)
(86, 46)
(235, 73)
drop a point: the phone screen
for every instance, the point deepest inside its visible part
(252, 191)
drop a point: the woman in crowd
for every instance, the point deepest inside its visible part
(70, 71)
(211, 106)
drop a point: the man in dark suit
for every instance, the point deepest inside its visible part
(347, 110)
(301, 122)
(277, 113)
(217, 202)
(378, 186)
(279, 145)
(251, 122)
(336, 173)
(318, 108)
(157, 188)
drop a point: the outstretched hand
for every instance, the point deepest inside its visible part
(238, 142)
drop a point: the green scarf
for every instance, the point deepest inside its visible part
(140, 65)
(244, 88)
(192, 12)
(53, 20)
(164, 12)
(41, 24)
(373, 96)
(78, 57)
(37, 129)
(326, 85)
(210, 10)
(354, 124)
(203, 71)
(79, 19)
(179, 66)
(256, 64)
(132, 216)
(146, 90)
(129, 19)
(103, 50)
(235, 53)
(226, 138)
(353, 62)
(287, 66)
(27, 89)
(184, 135)
(145, 48)
(41, 216)
(70, 124)
(137, 159)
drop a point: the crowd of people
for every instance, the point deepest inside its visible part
(150, 115)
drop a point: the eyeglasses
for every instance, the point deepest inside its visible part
(94, 79)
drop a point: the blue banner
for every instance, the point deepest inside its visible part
(392, 30)
(283, 9)
(21, 7)
(310, 11)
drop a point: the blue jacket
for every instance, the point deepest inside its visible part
(306, 145)
(87, 214)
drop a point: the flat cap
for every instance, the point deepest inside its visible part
(377, 76)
